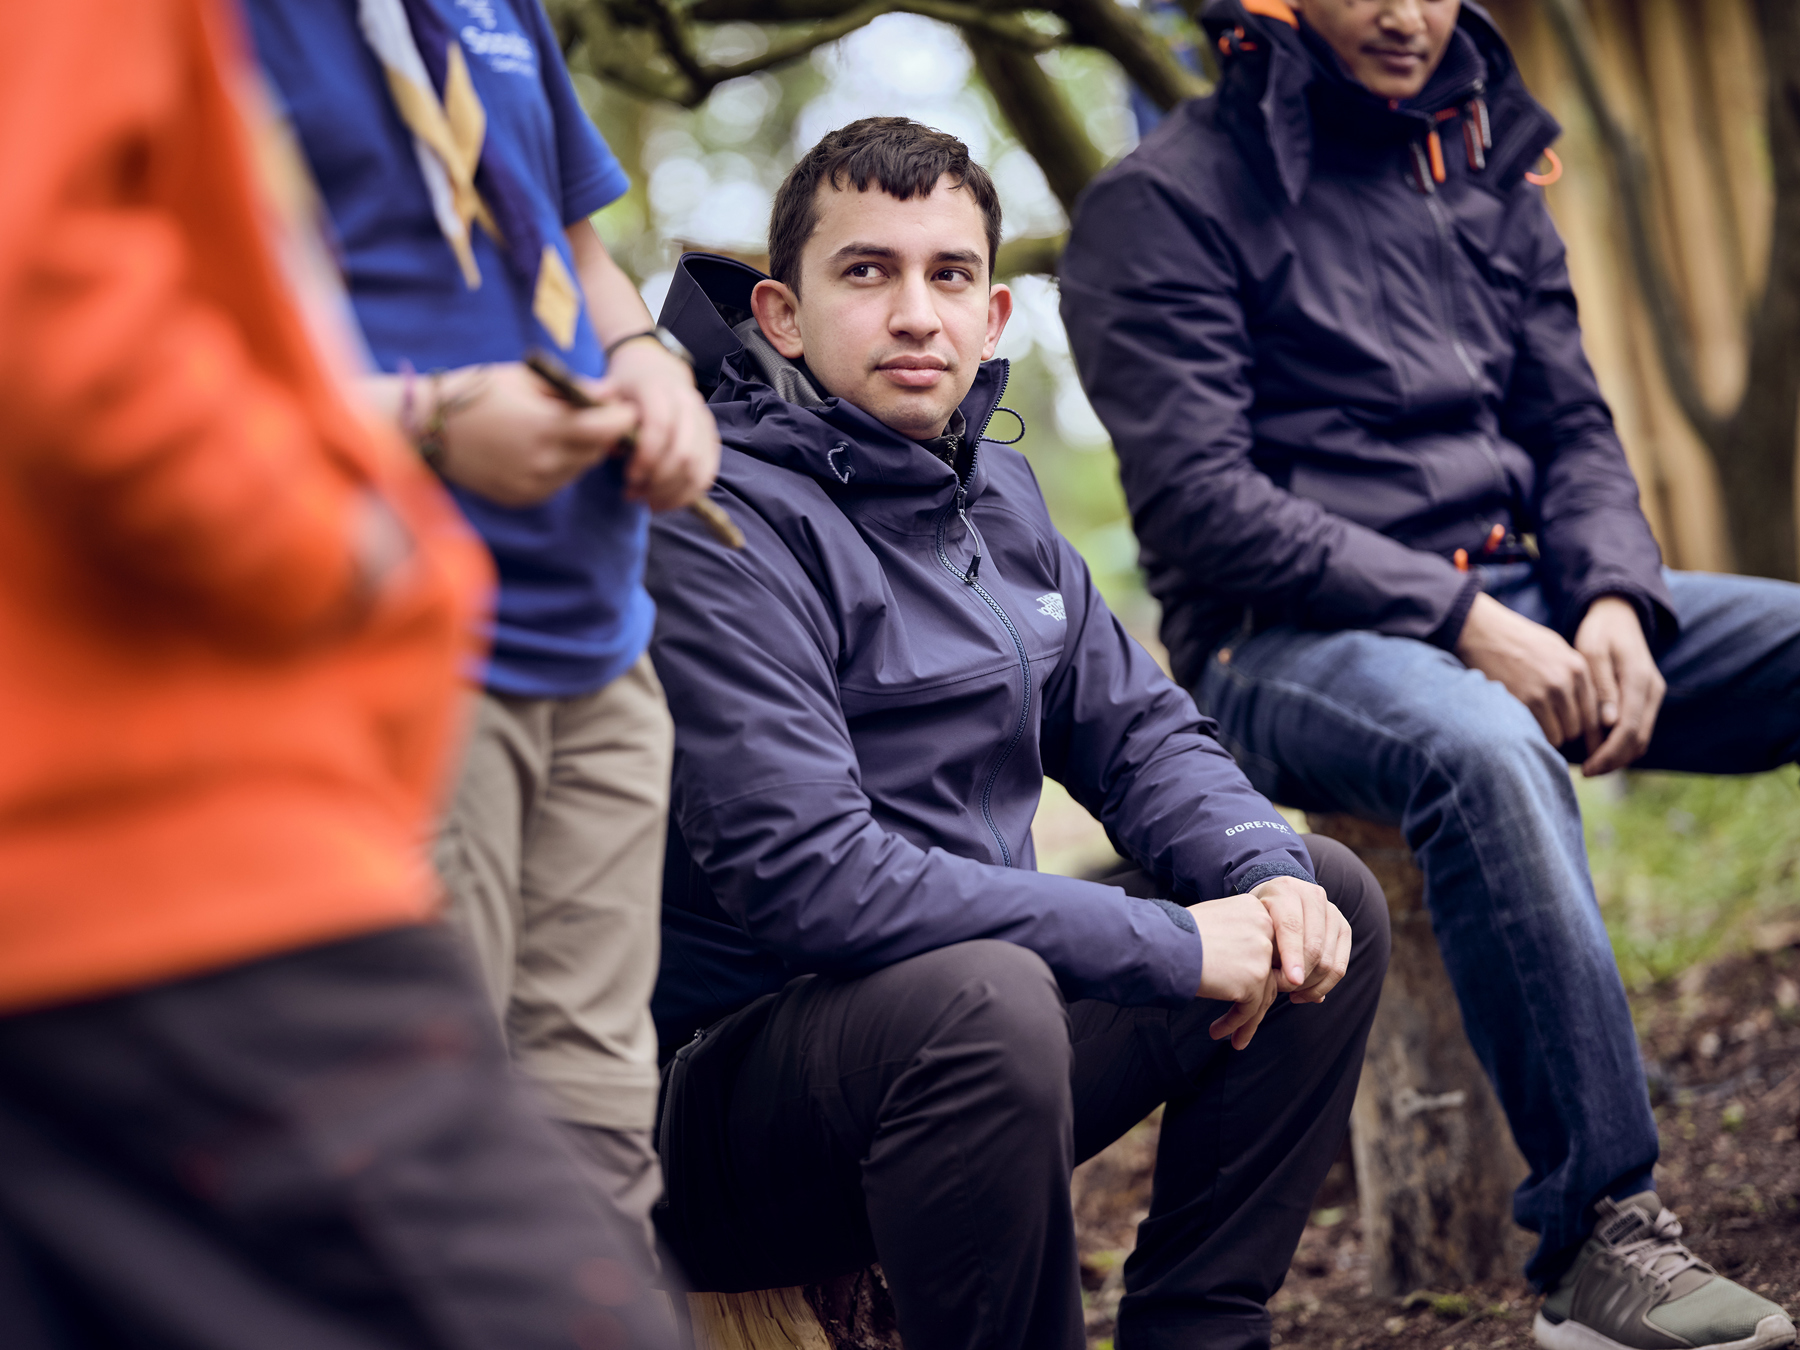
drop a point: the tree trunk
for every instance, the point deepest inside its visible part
(1756, 464)
(1435, 1161)
(852, 1312)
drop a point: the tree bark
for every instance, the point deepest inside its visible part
(1753, 445)
(1435, 1160)
(852, 1312)
(1756, 467)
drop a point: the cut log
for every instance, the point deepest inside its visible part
(1435, 1160)
(852, 1312)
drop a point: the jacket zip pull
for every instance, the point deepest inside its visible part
(1478, 135)
(974, 569)
(1421, 169)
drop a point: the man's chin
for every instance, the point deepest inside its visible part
(919, 418)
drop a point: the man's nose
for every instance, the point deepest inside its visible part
(914, 315)
(1402, 17)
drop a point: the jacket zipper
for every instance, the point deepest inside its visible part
(1447, 276)
(968, 578)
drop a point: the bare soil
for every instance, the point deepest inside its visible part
(1721, 1049)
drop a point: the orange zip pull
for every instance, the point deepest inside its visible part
(1435, 147)
(1461, 559)
(1496, 537)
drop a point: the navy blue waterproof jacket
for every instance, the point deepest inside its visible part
(864, 715)
(1324, 371)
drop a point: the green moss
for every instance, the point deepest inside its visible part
(1686, 866)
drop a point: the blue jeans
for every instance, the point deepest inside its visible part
(1396, 730)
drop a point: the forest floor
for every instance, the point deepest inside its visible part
(1721, 1046)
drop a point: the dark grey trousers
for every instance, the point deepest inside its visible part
(928, 1115)
(322, 1149)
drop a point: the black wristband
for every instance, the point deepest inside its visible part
(659, 335)
(617, 343)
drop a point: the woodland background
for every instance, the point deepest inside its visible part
(1680, 203)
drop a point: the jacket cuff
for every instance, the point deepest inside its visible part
(1449, 632)
(1176, 914)
(1258, 872)
(1657, 620)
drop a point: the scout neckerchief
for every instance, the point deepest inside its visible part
(428, 77)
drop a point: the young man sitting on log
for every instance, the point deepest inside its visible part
(1326, 317)
(907, 1036)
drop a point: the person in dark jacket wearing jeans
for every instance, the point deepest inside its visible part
(1326, 317)
(907, 1035)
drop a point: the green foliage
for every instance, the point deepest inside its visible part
(1686, 866)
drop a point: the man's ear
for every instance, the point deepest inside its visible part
(777, 311)
(999, 311)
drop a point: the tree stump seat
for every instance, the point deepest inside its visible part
(852, 1312)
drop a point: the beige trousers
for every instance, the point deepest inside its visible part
(552, 857)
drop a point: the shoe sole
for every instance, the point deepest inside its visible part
(1773, 1330)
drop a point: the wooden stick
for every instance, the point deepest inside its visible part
(555, 374)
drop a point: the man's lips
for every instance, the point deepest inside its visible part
(914, 372)
(1398, 60)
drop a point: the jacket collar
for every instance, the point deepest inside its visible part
(826, 438)
(1280, 84)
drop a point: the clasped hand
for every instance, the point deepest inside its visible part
(1284, 937)
(1605, 690)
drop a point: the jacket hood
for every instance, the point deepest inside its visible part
(772, 409)
(1281, 86)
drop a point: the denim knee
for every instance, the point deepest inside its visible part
(1491, 752)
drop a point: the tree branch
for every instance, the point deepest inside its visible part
(787, 11)
(671, 30)
(1039, 116)
(692, 81)
(1123, 35)
(1038, 254)
(1631, 180)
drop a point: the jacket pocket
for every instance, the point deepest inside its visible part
(693, 1115)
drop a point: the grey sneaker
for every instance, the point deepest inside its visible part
(1635, 1286)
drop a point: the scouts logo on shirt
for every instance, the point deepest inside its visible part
(506, 53)
(1051, 604)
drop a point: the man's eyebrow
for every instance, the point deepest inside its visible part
(860, 250)
(966, 256)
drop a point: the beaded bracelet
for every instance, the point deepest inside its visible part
(430, 437)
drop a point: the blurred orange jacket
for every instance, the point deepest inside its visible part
(214, 745)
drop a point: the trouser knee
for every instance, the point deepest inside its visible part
(993, 1009)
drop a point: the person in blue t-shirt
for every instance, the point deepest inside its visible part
(459, 172)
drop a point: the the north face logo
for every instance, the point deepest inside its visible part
(1052, 605)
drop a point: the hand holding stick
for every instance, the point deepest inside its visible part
(555, 374)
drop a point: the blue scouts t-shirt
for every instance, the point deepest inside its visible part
(573, 613)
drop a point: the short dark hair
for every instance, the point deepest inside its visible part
(902, 157)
